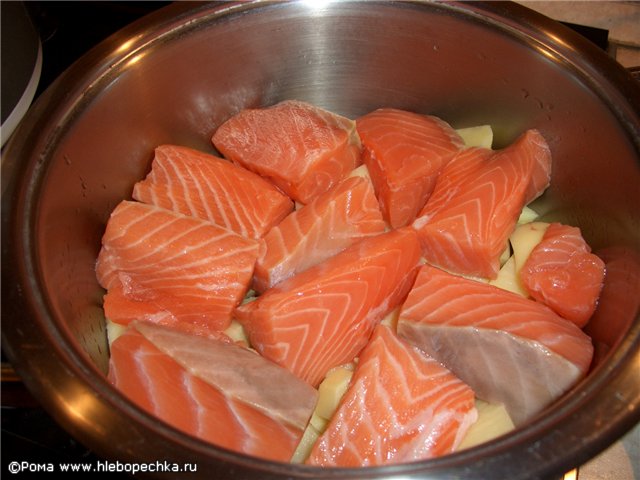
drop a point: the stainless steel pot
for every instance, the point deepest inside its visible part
(177, 74)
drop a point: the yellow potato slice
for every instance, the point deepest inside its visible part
(508, 280)
(332, 389)
(114, 330)
(309, 438)
(236, 332)
(524, 239)
(480, 136)
(361, 171)
(527, 215)
(506, 254)
(330, 392)
(493, 421)
(391, 319)
(318, 423)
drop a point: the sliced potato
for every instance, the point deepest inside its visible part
(330, 392)
(527, 215)
(506, 254)
(472, 277)
(361, 171)
(318, 423)
(463, 275)
(480, 136)
(493, 421)
(309, 438)
(249, 297)
(332, 389)
(524, 239)
(508, 280)
(114, 330)
(236, 332)
(391, 319)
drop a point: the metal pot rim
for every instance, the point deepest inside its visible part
(47, 358)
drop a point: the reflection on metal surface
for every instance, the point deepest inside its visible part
(82, 407)
(135, 60)
(125, 45)
(619, 302)
(317, 4)
(8, 373)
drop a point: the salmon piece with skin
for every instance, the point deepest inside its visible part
(183, 267)
(562, 273)
(404, 152)
(332, 221)
(208, 187)
(322, 317)
(507, 348)
(475, 205)
(124, 309)
(214, 390)
(301, 148)
(401, 406)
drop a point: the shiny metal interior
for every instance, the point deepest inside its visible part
(177, 74)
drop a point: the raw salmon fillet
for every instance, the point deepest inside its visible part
(216, 391)
(323, 317)
(404, 152)
(334, 220)
(507, 348)
(475, 205)
(204, 186)
(301, 148)
(183, 267)
(401, 406)
(562, 273)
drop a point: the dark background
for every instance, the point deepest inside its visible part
(69, 29)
